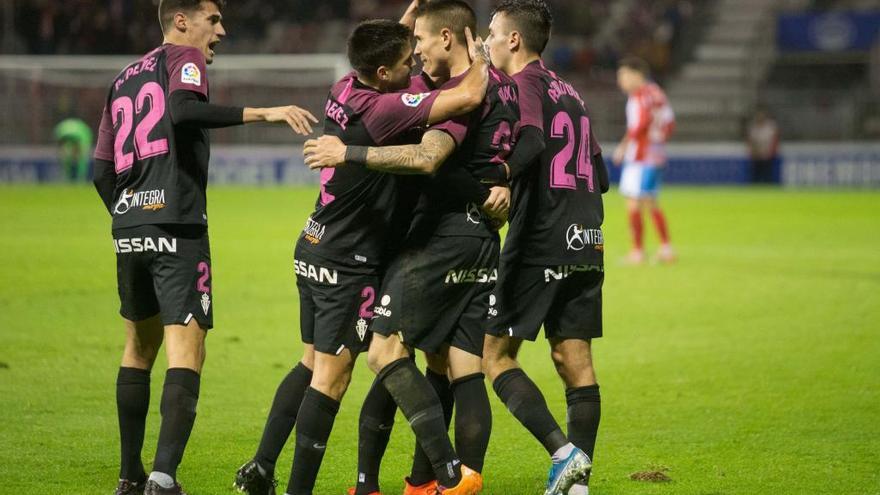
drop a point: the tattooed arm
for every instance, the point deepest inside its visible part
(423, 158)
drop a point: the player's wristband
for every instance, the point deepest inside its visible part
(356, 155)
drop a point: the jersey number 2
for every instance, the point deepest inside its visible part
(123, 110)
(560, 178)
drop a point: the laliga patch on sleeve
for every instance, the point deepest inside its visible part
(190, 74)
(412, 100)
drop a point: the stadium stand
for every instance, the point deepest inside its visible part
(718, 59)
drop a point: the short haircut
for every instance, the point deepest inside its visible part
(636, 64)
(375, 43)
(533, 20)
(167, 9)
(453, 14)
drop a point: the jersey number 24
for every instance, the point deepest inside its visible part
(560, 177)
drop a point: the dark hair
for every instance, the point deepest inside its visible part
(533, 20)
(167, 9)
(453, 14)
(375, 43)
(636, 64)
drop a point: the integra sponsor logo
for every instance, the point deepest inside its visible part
(153, 200)
(316, 273)
(577, 238)
(313, 231)
(472, 276)
(474, 214)
(145, 244)
(564, 271)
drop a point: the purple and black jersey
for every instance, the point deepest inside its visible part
(161, 169)
(557, 213)
(358, 209)
(483, 140)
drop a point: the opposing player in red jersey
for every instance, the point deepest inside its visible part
(649, 124)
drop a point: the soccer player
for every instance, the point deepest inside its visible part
(346, 244)
(551, 270)
(649, 124)
(435, 295)
(151, 171)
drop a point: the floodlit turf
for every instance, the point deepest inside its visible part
(750, 367)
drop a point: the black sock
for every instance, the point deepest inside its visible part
(316, 416)
(374, 431)
(584, 410)
(180, 396)
(132, 403)
(422, 471)
(473, 420)
(525, 401)
(415, 397)
(282, 416)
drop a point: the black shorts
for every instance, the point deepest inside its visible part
(438, 293)
(335, 304)
(566, 300)
(165, 269)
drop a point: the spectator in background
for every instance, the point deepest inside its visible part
(763, 140)
(74, 139)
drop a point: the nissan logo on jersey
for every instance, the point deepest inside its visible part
(577, 237)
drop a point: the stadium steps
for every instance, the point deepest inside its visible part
(715, 92)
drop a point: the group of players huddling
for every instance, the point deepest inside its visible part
(402, 251)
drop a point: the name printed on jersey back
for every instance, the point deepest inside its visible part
(560, 88)
(507, 94)
(146, 65)
(335, 111)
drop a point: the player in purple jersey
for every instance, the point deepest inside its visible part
(151, 171)
(551, 270)
(435, 294)
(344, 247)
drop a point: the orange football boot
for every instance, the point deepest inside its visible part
(429, 488)
(471, 484)
(353, 489)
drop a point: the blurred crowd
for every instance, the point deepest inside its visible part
(597, 33)
(589, 32)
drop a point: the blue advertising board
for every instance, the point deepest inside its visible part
(843, 31)
(803, 165)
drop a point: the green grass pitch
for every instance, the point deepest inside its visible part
(750, 367)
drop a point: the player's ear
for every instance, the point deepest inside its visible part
(446, 38)
(180, 22)
(383, 74)
(514, 41)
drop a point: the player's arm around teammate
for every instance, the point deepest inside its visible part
(151, 173)
(436, 146)
(464, 98)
